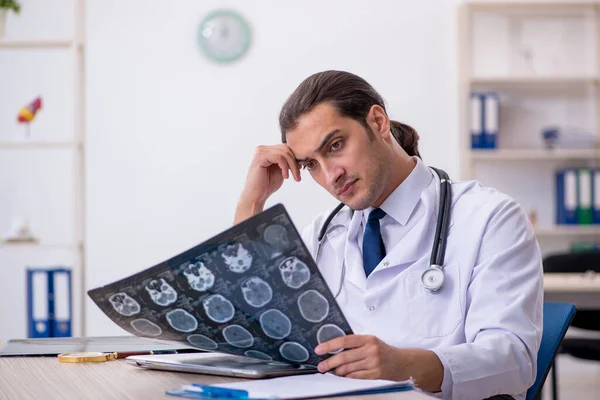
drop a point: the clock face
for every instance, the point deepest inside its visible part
(224, 36)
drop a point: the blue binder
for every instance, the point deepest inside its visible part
(61, 323)
(491, 119)
(596, 195)
(566, 196)
(38, 309)
(49, 306)
(476, 127)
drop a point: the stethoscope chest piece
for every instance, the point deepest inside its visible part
(433, 278)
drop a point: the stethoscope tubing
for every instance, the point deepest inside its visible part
(438, 250)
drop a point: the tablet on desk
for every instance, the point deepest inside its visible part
(220, 364)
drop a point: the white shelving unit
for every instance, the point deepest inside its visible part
(76, 147)
(543, 58)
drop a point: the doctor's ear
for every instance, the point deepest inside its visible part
(378, 121)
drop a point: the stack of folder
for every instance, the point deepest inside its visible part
(49, 302)
(578, 196)
(485, 120)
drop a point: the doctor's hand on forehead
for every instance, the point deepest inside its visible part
(268, 169)
(367, 357)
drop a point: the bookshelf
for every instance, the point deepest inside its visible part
(543, 60)
(68, 146)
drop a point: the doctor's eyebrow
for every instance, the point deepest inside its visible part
(326, 139)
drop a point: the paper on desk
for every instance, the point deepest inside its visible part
(311, 386)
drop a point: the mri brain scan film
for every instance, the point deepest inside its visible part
(145, 327)
(253, 290)
(257, 292)
(202, 342)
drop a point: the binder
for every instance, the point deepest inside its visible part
(61, 324)
(49, 305)
(596, 195)
(491, 119)
(476, 121)
(566, 196)
(38, 318)
(584, 197)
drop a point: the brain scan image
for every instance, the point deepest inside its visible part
(258, 354)
(202, 342)
(237, 258)
(328, 332)
(276, 235)
(238, 336)
(294, 272)
(161, 292)
(124, 304)
(275, 324)
(313, 306)
(218, 308)
(199, 277)
(256, 292)
(182, 320)
(145, 327)
(293, 351)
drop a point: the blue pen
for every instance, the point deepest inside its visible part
(221, 393)
(212, 392)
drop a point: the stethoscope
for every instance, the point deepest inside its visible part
(433, 277)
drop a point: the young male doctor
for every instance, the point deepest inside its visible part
(478, 336)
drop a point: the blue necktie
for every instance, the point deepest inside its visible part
(373, 249)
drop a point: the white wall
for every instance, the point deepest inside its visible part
(170, 134)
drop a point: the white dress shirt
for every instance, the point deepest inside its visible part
(485, 324)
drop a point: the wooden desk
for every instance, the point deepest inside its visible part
(581, 289)
(46, 378)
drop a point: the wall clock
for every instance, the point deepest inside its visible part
(224, 36)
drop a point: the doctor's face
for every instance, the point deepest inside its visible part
(342, 155)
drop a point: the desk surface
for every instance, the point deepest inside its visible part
(569, 282)
(581, 289)
(46, 378)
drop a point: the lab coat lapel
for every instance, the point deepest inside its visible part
(336, 239)
(355, 272)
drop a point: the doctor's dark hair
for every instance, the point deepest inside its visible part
(351, 95)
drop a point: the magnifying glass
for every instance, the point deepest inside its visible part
(86, 357)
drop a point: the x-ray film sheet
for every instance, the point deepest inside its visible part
(252, 290)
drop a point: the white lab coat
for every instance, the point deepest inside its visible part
(486, 323)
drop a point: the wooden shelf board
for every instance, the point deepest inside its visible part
(39, 144)
(569, 230)
(534, 154)
(530, 5)
(533, 81)
(36, 43)
(36, 244)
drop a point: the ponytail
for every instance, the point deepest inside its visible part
(407, 137)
